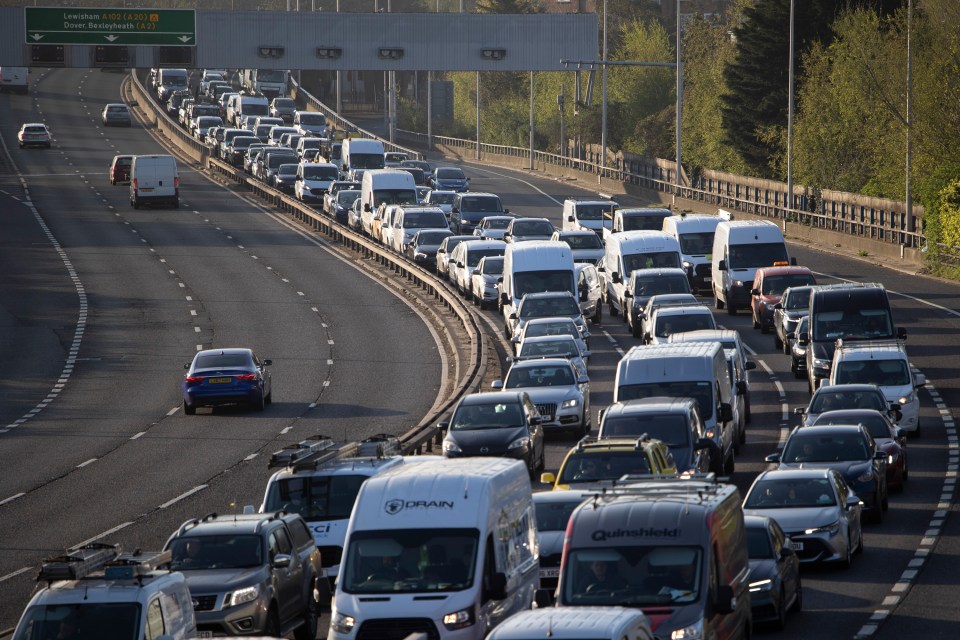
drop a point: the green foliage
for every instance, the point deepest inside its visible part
(508, 6)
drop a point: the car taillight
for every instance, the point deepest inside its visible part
(176, 182)
(134, 184)
(194, 379)
(246, 376)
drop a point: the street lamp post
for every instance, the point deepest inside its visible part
(790, 203)
(603, 108)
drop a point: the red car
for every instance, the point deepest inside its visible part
(888, 437)
(768, 287)
(120, 169)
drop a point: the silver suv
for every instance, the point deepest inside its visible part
(250, 574)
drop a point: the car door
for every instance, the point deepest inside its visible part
(289, 580)
(535, 427)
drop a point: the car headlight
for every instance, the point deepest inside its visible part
(820, 363)
(738, 283)
(520, 443)
(567, 404)
(342, 623)
(761, 585)
(459, 619)
(247, 594)
(449, 446)
(832, 529)
(866, 476)
(904, 400)
(691, 632)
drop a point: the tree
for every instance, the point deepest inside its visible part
(508, 6)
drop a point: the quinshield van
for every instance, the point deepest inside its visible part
(740, 247)
(695, 370)
(154, 179)
(695, 234)
(632, 250)
(674, 548)
(445, 548)
(98, 592)
(537, 266)
(851, 311)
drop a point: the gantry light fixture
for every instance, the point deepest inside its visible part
(494, 54)
(270, 52)
(329, 53)
(390, 53)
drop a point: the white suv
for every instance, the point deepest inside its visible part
(885, 364)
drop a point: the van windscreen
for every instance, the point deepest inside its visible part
(635, 575)
(316, 498)
(525, 282)
(651, 260)
(367, 161)
(672, 428)
(594, 211)
(644, 222)
(756, 255)
(85, 621)
(391, 561)
(701, 391)
(697, 244)
(394, 196)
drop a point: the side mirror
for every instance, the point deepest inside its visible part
(497, 586)
(786, 551)
(504, 298)
(454, 210)
(586, 354)
(536, 421)
(547, 478)
(773, 457)
(920, 381)
(569, 218)
(505, 211)
(583, 379)
(725, 602)
(703, 443)
(366, 207)
(750, 366)
(459, 265)
(513, 316)
(281, 561)
(901, 333)
(799, 411)
(778, 306)
(754, 291)
(267, 362)
(496, 384)
(627, 294)
(507, 234)
(852, 501)
(793, 262)
(615, 277)
(543, 598)
(879, 455)
(741, 388)
(803, 338)
(726, 412)
(647, 337)
(187, 366)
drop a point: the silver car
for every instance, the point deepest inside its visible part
(561, 393)
(553, 347)
(552, 512)
(550, 327)
(814, 507)
(483, 281)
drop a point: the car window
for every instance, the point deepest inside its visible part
(819, 447)
(155, 627)
(539, 376)
(485, 416)
(222, 361)
(279, 543)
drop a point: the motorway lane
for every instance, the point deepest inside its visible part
(844, 600)
(251, 279)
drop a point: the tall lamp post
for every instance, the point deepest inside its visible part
(790, 202)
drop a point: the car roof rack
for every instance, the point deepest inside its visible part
(76, 564)
(137, 565)
(702, 485)
(319, 450)
(868, 344)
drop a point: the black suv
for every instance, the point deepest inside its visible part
(251, 574)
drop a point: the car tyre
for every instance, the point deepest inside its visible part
(308, 630)
(798, 599)
(729, 466)
(135, 203)
(598, 314)
(636, 330)
(259, 403)
(778, 343)
(847, 560)
(189, 409)
(268, 399)
(717, 302)
(273, 623)
(859, 548)
(731, 309)
(780, 622)
(756, 325)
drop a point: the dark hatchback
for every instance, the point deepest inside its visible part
(226, 376)
(775, 586)
(505, 424)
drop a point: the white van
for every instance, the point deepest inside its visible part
(14, 79)
(588, 214)
(740, 247)
(241, 105)
(637, 219)
(97, 592)
(170, 81)
(695, 370)
(359, 155)
(695, 235)
(534, 267)
(154, 178)
(575, 623)
(386, 186)
(631, 250)
(447, 548)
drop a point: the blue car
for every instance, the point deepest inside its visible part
(226, 376)
(449, 179)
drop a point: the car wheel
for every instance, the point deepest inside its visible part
(906, 471)
(308, 630)
(747, 418)
(717, 302)
(859, 548)
(135, 203)
(729, 465)
(259, 403)
(731, 309)
(756, 325)
(273, 624)
(798, 598)
(268, 399)
(916, 432)
(764, 328)
(781, 620)
(598, 314)
(847, 560)
(113, 182)
(189, 409)
(636, 330)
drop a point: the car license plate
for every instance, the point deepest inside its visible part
(204, 634)
(708, 279)
(220, 380)
(547, 417)
(550, 573)
(146, 189)
(797, 546)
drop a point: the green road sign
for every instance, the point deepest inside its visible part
(47, 25)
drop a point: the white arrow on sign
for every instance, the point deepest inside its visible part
(184, 38)
(37, 37)
(111, 38)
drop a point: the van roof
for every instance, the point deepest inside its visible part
(560, 623)
(644, 211)
(695, 222)
(647, 405)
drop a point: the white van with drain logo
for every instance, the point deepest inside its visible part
(446, 548)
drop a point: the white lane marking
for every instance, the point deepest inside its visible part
(183, 496)
(12, 498)
(250, 457)
(87, 463)
(137, 436)
(173, 411)
(101, 535)
(14, 574)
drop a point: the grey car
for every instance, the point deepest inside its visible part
(422, 248)
(116, 114)
(794, 305)
(560, 391)
(814, 507)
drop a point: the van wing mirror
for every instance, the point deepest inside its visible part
(793, 262)
(722, 265)
(726, 601)
(920, 380)
(544, 598)
(569, 218)
(497, 586)
(615, 276)
(750, 366)
(741, 388)
(726, 412)
(901, 333)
